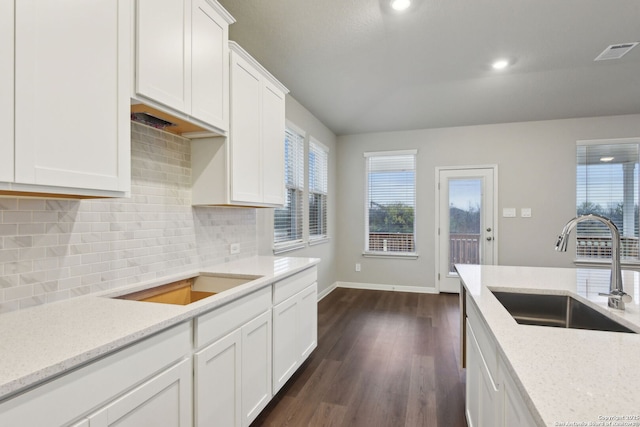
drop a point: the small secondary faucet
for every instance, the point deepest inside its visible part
(617, 296)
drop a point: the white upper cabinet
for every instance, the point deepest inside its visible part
(162, 56)
(247, 168)
(72, 68)
(182, 61)
(6, 90)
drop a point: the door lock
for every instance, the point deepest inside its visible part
(489, 239)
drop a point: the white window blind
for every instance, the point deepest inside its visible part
(288, 219)
(607, 184)
(390, 202)
(318, 184)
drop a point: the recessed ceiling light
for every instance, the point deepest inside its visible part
(606, 159)
(400, 5)
(500, 64)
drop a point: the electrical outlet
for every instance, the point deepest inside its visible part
(234, 248)
(358, 268)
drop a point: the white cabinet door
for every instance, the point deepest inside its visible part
(286, 355)
(71, 94)
(256, 366)
(295, 333)
(515, 411)
(162, 401)
(209, 65)
(308, 321)
(217, 383)
(273, 124)
(162, 54)
(246, 163)
(483, 395)
(6, 90)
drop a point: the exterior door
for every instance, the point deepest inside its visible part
(466, 226)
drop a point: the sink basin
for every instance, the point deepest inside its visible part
(187, 291)
(562, 311)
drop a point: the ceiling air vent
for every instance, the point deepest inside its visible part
(615, 51)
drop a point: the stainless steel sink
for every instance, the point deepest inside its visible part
(561, 311)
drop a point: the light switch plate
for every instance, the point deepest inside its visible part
(525, 212)
(509, 212)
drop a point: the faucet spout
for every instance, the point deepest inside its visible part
(617, 296)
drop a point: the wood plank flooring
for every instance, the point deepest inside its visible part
(384, 359)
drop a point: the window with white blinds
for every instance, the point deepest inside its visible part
(318, 183)
(390, 202)
(288, 219)
(607, 185)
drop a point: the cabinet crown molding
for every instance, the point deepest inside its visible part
(235, 47)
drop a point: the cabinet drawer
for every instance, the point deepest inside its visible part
(290, 286)
(64, 399)
(484, 338)
(221, 321)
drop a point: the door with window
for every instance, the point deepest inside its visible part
(466, 225)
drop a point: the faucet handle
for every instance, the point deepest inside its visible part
(618, 295)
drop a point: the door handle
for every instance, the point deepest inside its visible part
(489, 239)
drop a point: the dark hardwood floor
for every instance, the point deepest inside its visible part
(383, 359)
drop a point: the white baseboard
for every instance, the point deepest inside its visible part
(379, 287)
(327, 291)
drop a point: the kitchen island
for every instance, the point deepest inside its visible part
(563, 376)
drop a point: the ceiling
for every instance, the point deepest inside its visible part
(359, 67)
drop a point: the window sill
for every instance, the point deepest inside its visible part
(288, 247)
(318, 240)
(399, 255)
(605, 263)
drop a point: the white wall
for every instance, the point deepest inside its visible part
(327, 276)
(536, 162)
(54, 249)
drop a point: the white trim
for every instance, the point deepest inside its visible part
(327, 291)
(390, 153)
(496, 217)
(289, 124)
(318, 240)
(318, 143)
(401, 255)
(610, 141)
(291, 246)
(394, 288)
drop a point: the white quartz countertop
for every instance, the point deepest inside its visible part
(567, 376)
(41, 342)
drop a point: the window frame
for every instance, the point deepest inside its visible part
(590, 261)
(315, 239)
(296, 243)
(390, 254)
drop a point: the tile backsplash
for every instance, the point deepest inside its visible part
(54, 249)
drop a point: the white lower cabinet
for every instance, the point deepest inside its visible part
(138, 381)
(492, 398)
(162, 401)
(483, 395)
(217, 383)
(515, 411)
(295, 327)
(216, 370)
(233, 374)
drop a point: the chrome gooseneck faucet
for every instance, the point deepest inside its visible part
(617, 296)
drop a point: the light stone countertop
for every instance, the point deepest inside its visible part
(41, 342)
(565, 375)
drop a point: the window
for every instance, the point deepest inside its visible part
(607, 184)
(390, 203)
(318, 172)
(288, 219)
